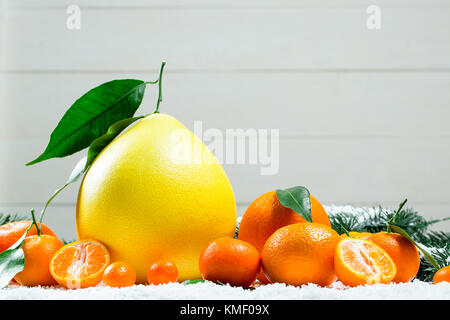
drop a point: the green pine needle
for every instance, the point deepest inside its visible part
(374, 220)
(12, 217)
(442, 257)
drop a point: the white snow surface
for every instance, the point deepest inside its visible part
(209, 291)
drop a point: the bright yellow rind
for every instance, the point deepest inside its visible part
(146, 198)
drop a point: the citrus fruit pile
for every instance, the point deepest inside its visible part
(80, 264)
(297, 252)
(275, 244)
(155, 206)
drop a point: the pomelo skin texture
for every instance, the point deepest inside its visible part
(156, 192)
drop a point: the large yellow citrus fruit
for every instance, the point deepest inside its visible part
(156, 192)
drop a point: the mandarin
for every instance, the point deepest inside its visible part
(266, 214)
(119, 274)
(229, 260)
(38, 251)
(442, 275)
(301, 253)
(11, 232)
(80, 264)
(359, 262)
(402, 251)
(162, 272)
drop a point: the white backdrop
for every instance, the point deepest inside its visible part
(363, 114)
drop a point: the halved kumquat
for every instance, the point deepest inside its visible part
(360, 262)
(80, 264)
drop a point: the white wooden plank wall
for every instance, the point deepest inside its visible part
(363, 115)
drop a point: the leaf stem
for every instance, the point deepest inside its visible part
(160, 86)
(50, 200)
(38, 229)
(345, 230)
(392, 220)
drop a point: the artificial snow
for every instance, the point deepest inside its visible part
(210, 291)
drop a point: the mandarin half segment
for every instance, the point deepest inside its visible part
(360, 262)
(80, 264)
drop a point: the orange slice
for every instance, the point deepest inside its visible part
(359, 262)
(80, 264)
(357, 235)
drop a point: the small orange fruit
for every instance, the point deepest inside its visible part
(38, 252)
(162, 272)
(357, 235)
(301, 253)
(402, 251)
(80, 264)
(119, 274)
(442, 275)
(266, 214)
(11, 232)
(359, 262)
(230, 261)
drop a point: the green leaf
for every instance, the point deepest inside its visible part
(95, 148)
(12, 261)
(91, 116)
(297, 199)
(194, 281)
(100, 143)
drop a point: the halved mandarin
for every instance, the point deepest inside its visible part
(80, 264)
(360, 262)
(357, 235)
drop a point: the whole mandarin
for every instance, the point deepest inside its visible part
(442, 275)
(162, 272)
(266, 214)
(301, 253)
(11, 232)
(230, 260)
(119, 274)
(38, 251)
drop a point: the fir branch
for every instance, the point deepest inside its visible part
(433, 239)
(442, 257)
(11, 217)
(374, 220)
